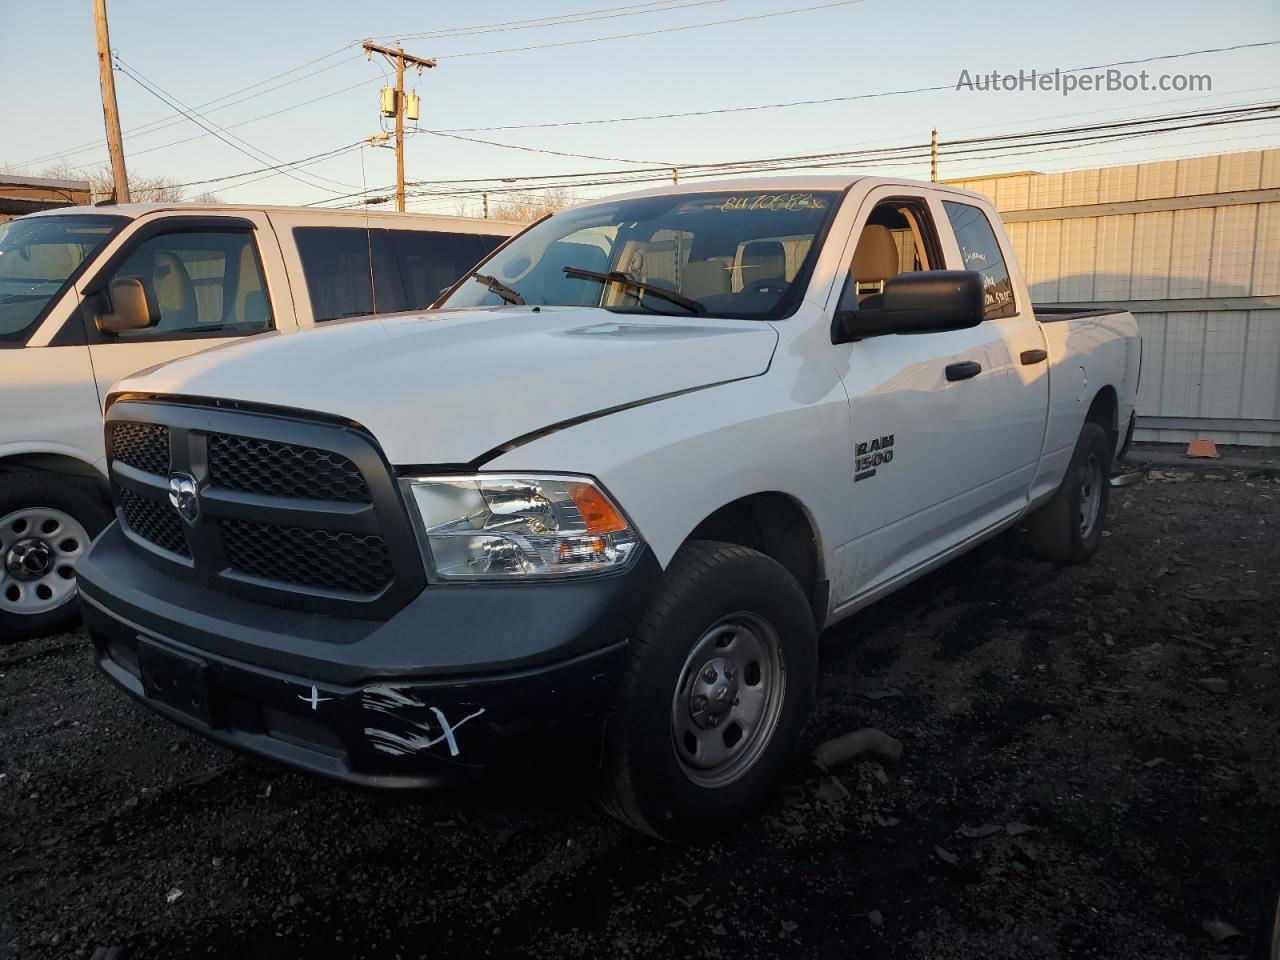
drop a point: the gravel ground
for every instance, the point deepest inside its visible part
(1108, 730)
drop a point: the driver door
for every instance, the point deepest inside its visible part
(922, 409)
(208, 280)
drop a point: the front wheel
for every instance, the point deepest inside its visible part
(1068, 529)
(718, 685)
(46, 524)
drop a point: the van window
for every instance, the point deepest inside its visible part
(410, 268)
(981, 252)
(430, 263)
(39, 258)
(201, 283)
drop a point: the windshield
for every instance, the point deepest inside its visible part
(38, 257)
(745, 254)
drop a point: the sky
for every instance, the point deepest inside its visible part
(498, 70)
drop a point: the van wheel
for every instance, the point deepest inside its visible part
(1068, 529)
(717, 687)
(46, 524)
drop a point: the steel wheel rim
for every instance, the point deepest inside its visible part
(1090, 495)
(728, 700)
(39, 547)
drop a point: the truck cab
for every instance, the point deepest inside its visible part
(89, 295)
(609, 491)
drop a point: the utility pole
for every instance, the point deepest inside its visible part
(933, 156)
(110, 114)
(398, 59)
(675, 176)
(486, 204)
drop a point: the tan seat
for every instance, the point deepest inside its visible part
(875, 260)
(174, 292)
(763, 261)
(701, 279)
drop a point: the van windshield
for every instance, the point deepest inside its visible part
(745, 254)
(39, 256)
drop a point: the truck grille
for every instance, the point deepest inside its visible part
(142, 445)
(299, 512)
(154, 521)
(284, 470)
(313, 558)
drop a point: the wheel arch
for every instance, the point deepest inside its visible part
(1105, 412)
(49, 461)
(780, 526)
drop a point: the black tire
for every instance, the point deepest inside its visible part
(709, 587)
(78, 498)
(1058, 531)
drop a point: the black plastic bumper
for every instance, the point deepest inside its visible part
(445, 689)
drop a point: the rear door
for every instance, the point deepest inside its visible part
(212, 280)
(924, 409)
(1016, 351)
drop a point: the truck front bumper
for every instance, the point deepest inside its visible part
(453, 685)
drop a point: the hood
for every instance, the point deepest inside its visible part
(448, 387)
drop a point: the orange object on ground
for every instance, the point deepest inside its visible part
(1202, 448)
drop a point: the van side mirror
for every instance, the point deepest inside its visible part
(131, 307)
(925, 301)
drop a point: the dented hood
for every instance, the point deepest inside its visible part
(451, 386)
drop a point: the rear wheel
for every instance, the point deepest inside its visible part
(1068, 529)
(718, 685)
(46, 524)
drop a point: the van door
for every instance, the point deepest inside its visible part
(923, 408)
(210, 279)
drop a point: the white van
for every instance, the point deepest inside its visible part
(91, 294)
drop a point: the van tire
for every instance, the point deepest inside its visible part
(730, 625)
(1068, 529)
(25, 495)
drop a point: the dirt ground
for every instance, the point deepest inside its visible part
(1067, 708)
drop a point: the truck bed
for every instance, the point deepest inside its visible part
(1046, 314)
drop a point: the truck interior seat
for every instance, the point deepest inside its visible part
(763, 261)
(875, 260)
(701, 279)
(175, 294)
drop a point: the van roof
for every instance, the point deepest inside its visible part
(135, 210)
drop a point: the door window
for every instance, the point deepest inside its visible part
(981, 252)
(898, 237)
(200, 284)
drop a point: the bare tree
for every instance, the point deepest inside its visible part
(102, 185)
(532, 206)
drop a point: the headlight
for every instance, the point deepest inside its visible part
(492, 526)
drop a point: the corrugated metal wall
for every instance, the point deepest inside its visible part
(1192, 247)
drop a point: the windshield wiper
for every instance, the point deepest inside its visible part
(509, 294)
(617, 276)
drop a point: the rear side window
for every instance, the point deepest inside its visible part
(341, 280)
(431, 263)
(353, 271)
(981, 252)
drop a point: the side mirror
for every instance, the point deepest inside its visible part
(926, 301)
(131, 308)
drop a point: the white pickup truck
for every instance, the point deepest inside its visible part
(605, 495)
(91, 294)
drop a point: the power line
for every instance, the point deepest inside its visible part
(176, 118)
(823, 100)
(1035, 141)
(651, 33)
(214, 130)
(564, 19)
(314, 158)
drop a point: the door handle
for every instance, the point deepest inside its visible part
(963, 370)
(1034, 356)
